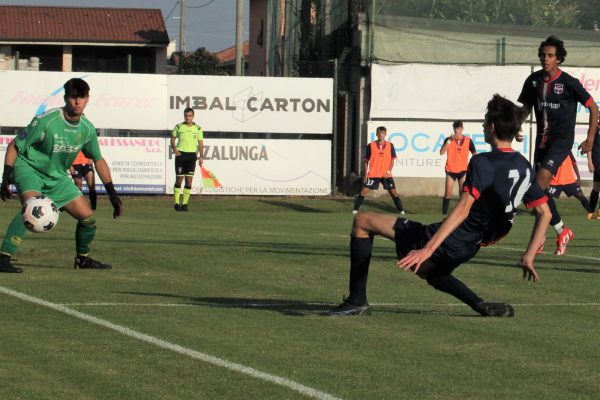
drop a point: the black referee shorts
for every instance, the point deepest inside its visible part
(185, 164)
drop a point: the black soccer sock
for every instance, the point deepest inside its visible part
(445, 205)
(93, 198)
(555, 215)
(447, 283)
(398, 203)
(584, 202)
(360, 258)
(358, 202)
(593, 200)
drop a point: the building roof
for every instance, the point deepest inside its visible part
(82, 24)
(227, 56)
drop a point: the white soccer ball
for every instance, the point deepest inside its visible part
(40, 214)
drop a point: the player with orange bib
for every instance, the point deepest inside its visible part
(567, 181)
(457, 147)
(81, 169)
(379, 161)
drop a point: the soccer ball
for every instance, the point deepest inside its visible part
(40, 214)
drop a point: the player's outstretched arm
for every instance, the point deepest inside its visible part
(9, 162)
(104, 174)
(586, 145)
(538, 235)
(456, 217)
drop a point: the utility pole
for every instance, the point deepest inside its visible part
(181, 29)
(239, 37)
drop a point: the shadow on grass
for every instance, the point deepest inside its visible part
(293, 308)
(294, 207)
(563, 264)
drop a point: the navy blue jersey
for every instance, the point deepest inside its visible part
(596, 150)
(499, 181)
(555, 104)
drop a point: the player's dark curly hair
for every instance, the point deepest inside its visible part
(76, 87)
(561, 52)
(506, 117)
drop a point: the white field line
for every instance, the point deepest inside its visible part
(267, 305)
(219, 362)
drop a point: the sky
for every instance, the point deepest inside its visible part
(208, 23)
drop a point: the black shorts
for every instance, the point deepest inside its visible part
(456, 175)
(412, 235)
(81, 170)
(550, 154)
(596, 164)
(373, 183)
(185, 164)
(570, 190)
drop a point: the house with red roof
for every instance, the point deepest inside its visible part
(83, 39)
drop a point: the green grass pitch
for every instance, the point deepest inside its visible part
(244, 280)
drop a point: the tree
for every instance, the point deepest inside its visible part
(571, 14)
(200, 62)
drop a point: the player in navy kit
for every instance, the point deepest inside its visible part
(554, 94)
(495, 185)
(594, 166)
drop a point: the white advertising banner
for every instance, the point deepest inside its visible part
(120, 101)
(418, 144)
(261, 167)
(253, 104)
(156, 102)
(231, 166)
(424, 91)
(137, 165)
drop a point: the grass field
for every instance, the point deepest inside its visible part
(224, 302)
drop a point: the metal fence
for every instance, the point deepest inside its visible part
(394, 39)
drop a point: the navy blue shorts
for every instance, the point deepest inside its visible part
(373, 183)
(596, 174)
(570, 190)
(456, 175)
(412, 235)
(550, 154)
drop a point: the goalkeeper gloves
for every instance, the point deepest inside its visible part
(114, 200)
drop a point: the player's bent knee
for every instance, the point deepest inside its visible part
(361, 224)
(88, 221)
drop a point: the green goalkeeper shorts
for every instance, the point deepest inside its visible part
(61, 190)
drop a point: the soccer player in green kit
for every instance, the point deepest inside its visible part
(40, 158)
(186, 143)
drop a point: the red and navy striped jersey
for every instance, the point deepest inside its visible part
(555, 103)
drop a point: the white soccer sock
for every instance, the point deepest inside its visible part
(558, 228)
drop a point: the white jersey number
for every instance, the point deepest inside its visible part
(515, 199)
